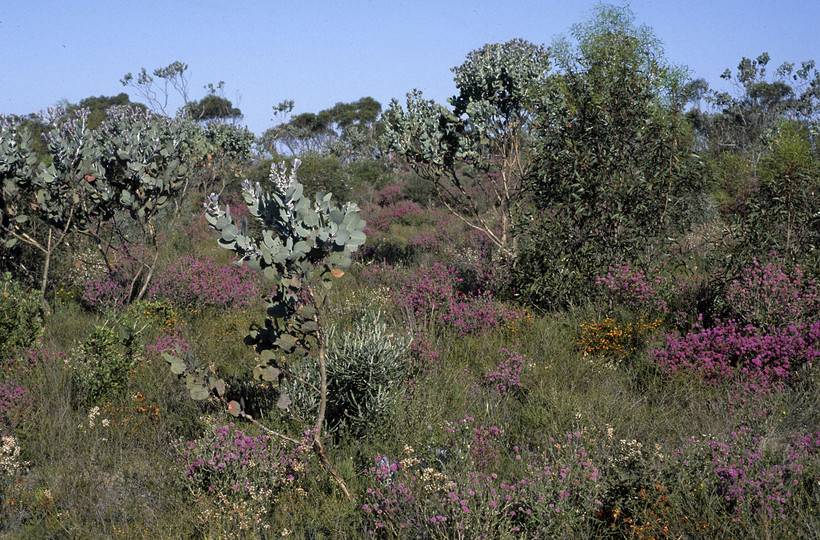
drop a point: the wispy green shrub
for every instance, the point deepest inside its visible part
(101, 365)
(20, 316)
(366, 370)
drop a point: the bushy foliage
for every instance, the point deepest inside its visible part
(460, 494)
(241, 474)
(367, 371)
(432, 298)
(20, 316)
(613, 169)
(772, 295)
(15, 405)
(780, 212)
(731, 352)
(102, 364)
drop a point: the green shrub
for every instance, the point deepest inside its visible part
(20, 316)
(366, 368)
(102, 363)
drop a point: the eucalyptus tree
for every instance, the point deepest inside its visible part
(42, 204)
(346, 130)
(613, 169)
(477, 153)
(302, 247)
(743, 122)
(109, 183)
(158, 86)
(143, 158)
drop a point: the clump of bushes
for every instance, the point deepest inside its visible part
(20, 316)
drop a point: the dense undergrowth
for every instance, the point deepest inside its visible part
(657, 409)
(576, 314)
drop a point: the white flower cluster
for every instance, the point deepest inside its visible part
(281, 178)
(10, 463)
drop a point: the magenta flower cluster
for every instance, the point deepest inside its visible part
(173, 342)
(33, 359)
(506, 377)
(412, 501)
(229, 460)
(425, 241)
(423, 352)
(431, 295)
(751, 482)
(482, 443)
(766, 295)
(765, 359)
(15, 405)
(379, 218)
(632, 287)
(201, 283)
(105, 293)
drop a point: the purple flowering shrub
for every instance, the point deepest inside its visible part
(105, 293)
(379, 218)
(587, 484)
(424, 354)
(506, 377)
(202, 283)
(170, 340)
(26, 362)
(238, 465)
(729, 351)
(111, 290)
(461, 493)
(762, 329)
(629, 286)
(432, 297)
(749, 478)
(767, 295)
(15, 405)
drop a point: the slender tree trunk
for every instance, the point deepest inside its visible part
(318, 447)
(46, 265)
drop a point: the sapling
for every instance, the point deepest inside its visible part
(305, 244)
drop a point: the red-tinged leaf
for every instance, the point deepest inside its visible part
(234, 408)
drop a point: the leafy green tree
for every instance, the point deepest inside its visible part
(476, 154)
(212, 107)
(741, 123)
(218, 152)
(143, 160)
(347, 130)
(763, 154)
(42, 204)
(613, 170)
(781, 214)
(109, 183)
(99, 105)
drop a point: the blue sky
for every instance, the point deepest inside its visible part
(321, 52)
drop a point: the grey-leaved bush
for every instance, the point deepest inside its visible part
(366, 372)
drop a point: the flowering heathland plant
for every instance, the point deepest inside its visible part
(196, 283)
(769, 295)
(766, 358)
(462, 493)
(305, 244)
(432, 297)
(242, 472)
(632, 287)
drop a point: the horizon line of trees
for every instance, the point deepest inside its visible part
(567, 157)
